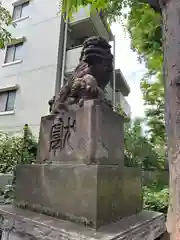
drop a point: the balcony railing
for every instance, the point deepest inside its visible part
(120, 99)
(89, 23)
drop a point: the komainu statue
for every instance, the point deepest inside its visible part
(89, 79)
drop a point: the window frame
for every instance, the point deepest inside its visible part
(21, 4)
(14, 10)
(7, 92)
(15, 45)
(7, 101)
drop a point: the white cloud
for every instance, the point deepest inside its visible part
(132, 70)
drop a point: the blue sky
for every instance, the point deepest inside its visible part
(132, 70)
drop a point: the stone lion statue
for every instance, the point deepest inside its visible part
(89, 79)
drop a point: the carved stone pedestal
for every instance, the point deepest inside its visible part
(93, 134)
(92, 195)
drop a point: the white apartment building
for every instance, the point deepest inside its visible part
(44, 49)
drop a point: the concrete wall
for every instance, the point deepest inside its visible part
(5, 179)
(36, 74)
(150, 176)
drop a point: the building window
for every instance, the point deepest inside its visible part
(7, 100)
(20, 10)
(13, 53)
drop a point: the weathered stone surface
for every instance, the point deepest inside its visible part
(17, 222)
(96, 135)
(91, 194)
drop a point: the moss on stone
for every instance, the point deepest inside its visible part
(47, 211)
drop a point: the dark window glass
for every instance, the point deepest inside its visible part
(10, 101)
(7, 100)
(13, 53)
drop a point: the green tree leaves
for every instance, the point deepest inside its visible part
(16, 150)
(144, 27)
(138, 149)
(5, 20)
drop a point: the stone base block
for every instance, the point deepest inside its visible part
(23, 224)
(94, 195)
(93, 134)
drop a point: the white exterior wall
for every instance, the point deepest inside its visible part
(36, 75)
